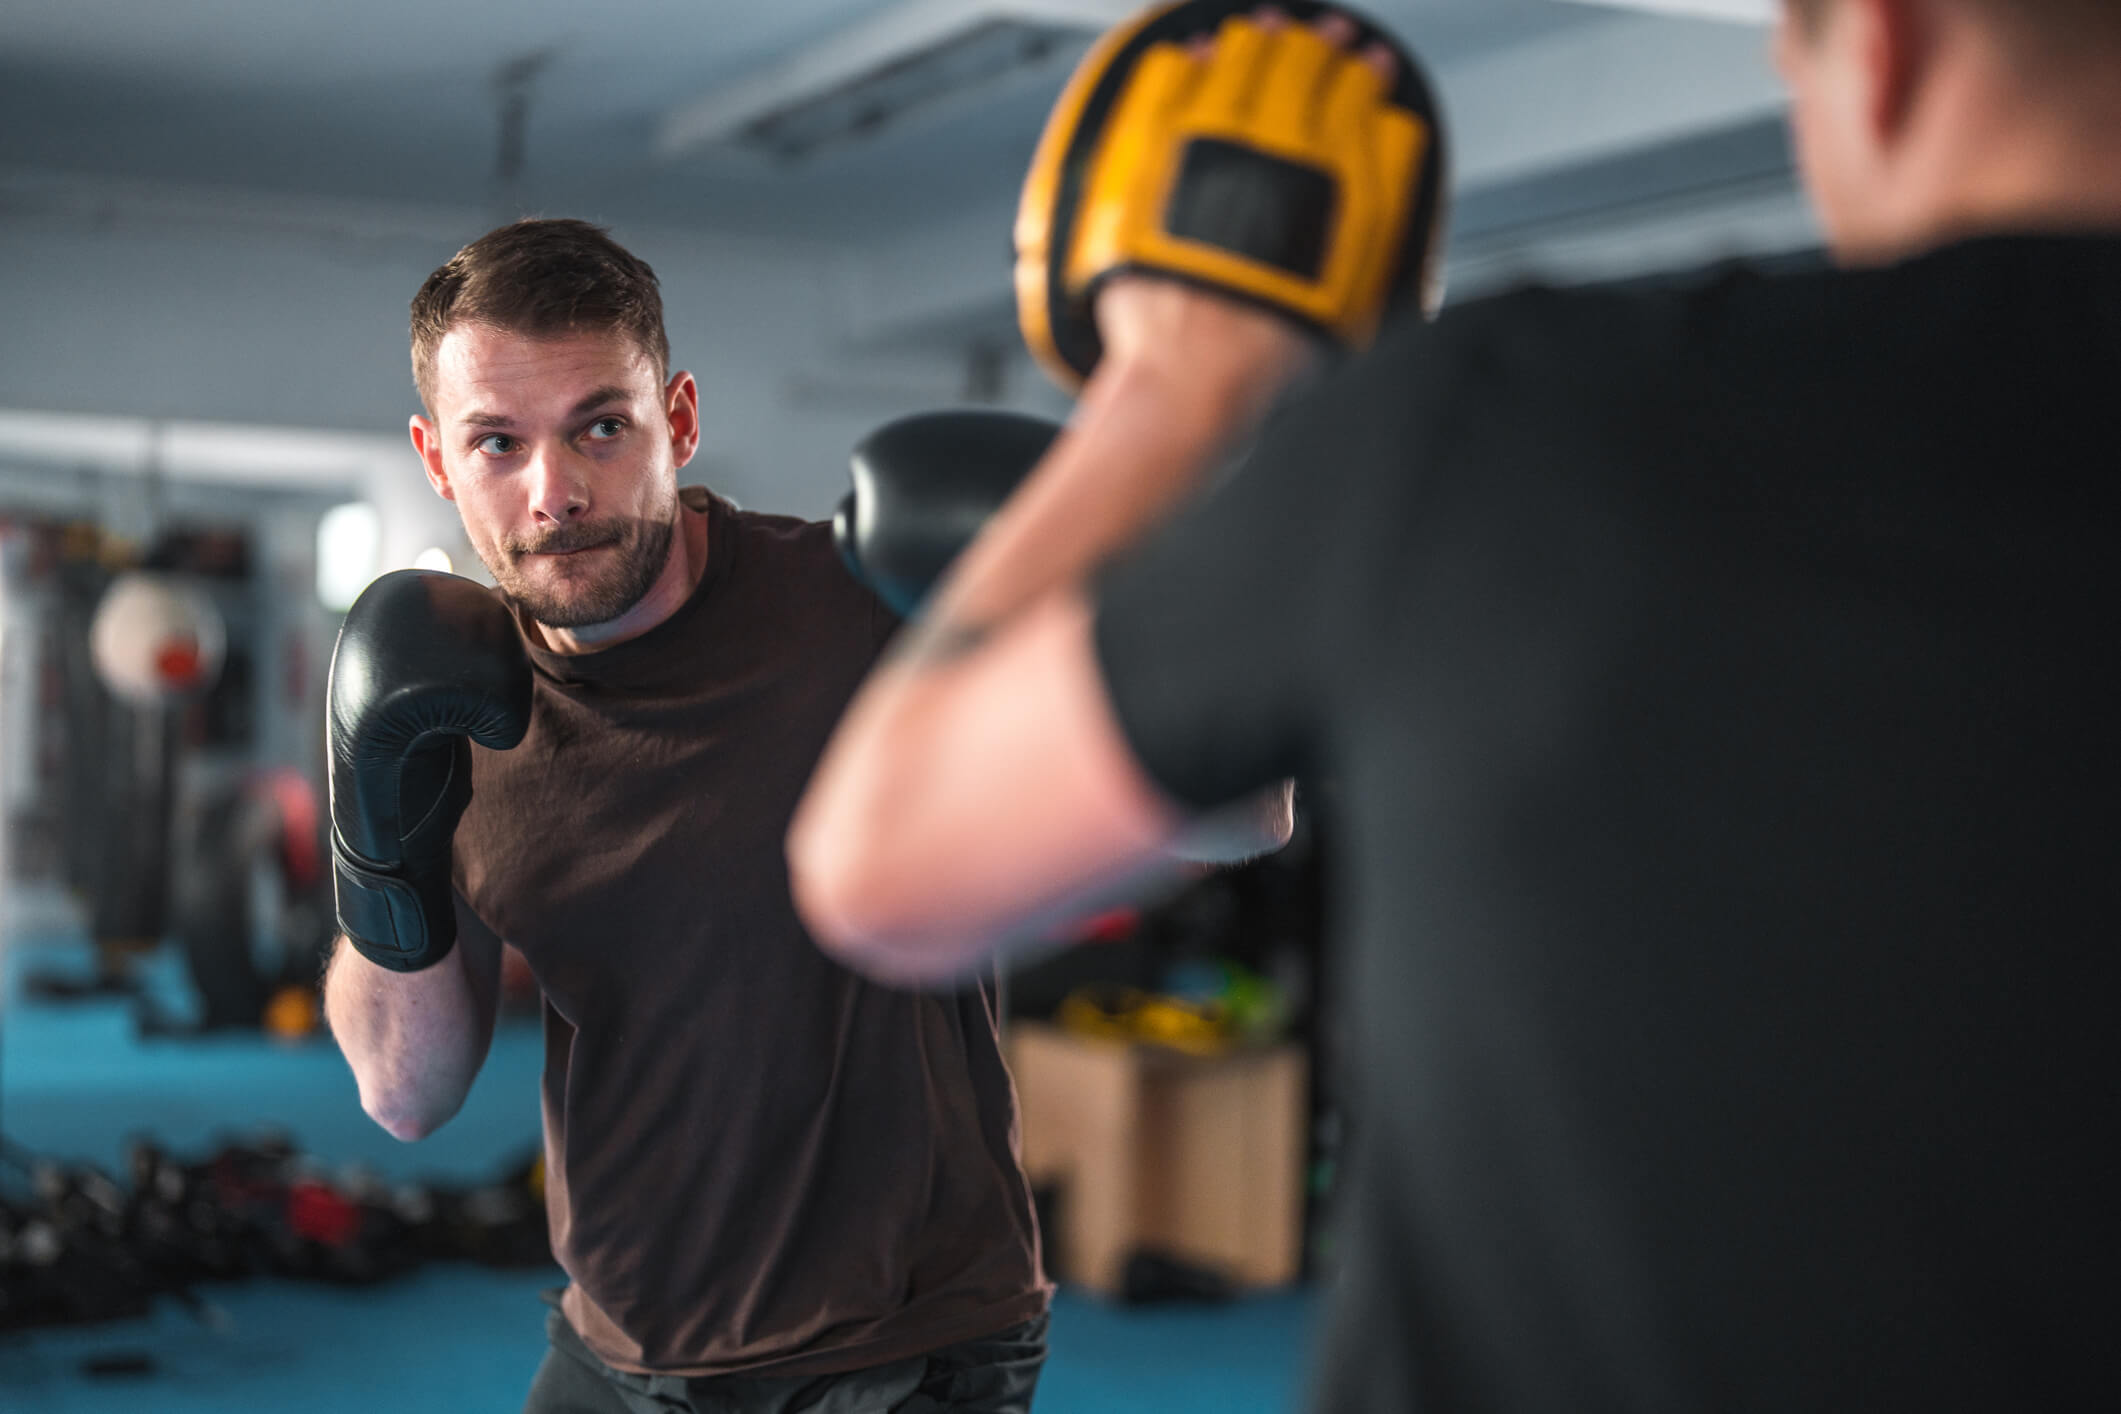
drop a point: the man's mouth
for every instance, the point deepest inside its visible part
(561, 552)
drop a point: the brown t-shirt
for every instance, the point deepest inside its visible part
(756, 1160)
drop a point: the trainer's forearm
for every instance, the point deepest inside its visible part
(415, 1040)
(1142, 440)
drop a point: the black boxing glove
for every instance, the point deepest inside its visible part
(923, 487)
(424, 662)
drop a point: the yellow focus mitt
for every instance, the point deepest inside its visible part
(1279, 169)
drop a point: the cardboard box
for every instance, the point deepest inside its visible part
(1201, 1157)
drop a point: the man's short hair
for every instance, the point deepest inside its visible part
(544, 278)
(2054, 21)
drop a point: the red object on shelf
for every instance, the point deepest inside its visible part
(1112, 926)
(316, 1212)
(295, 800)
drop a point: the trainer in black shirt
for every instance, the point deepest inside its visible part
(1718, 681)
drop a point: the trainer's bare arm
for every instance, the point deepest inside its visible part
(416, 1040)
(969, 805)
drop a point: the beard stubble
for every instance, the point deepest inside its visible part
(642, 548)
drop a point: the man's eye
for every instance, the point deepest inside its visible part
(605, 428)
(500, 444)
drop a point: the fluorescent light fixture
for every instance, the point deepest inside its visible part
(349, 539)
(435, 558)
(1752, 12)
(911, 58)
(973, 58)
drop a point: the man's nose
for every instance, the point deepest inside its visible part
(558, 491)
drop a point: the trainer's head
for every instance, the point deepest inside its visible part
(552, 420)
(1922, 121)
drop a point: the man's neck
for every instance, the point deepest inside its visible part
(682, 570)
(2005, 160)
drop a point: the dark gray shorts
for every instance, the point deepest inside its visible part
(994, 1374)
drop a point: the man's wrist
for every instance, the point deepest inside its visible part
(1208, 349)
(1212, 389)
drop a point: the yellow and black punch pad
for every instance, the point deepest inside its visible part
(1278, 170)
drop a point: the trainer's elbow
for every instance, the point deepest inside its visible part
(839, 888)
(856, 902)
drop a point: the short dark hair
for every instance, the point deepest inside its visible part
(2059, 21)
(540, 277)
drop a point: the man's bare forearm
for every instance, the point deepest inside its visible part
(415, 1040)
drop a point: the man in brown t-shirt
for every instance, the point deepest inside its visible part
(776, 1185)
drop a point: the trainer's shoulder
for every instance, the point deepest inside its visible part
(1635, 345)
(1587, 332)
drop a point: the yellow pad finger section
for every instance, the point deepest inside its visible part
(1302, 65)
(1380, 172)
(1353, 92)
(1242, 52)
(1395, 158)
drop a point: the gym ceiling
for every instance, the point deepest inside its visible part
(845, 121)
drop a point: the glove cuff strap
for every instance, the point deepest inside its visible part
(383, 915)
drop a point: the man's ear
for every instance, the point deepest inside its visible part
(1895, 39)
(427, 441)
(681, 404)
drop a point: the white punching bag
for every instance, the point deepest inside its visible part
(155, 640)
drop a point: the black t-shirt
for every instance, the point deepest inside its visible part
(756, 1160)
(1719, 681)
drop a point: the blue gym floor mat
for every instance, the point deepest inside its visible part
(76, 1080)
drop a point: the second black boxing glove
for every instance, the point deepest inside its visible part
(425, 664)
(923, 487)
